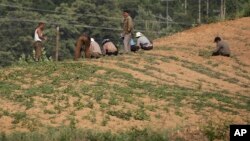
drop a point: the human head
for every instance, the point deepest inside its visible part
(138, 34)
(217, 39)
(92, 39)
(41, 25)
(125, 13)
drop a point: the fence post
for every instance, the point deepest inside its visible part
(199, 19)
(57, 42)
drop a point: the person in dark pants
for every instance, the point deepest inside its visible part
(39, 38)
(222, 48)
(143, 42)
(128, 27)
(109, 48)
(134, 48)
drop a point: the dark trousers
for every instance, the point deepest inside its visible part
(112, 53)
(220, 54)
(134, 48)
(147, 48)
(38, 50)
(95, 55)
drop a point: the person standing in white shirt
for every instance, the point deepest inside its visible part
(39, 38)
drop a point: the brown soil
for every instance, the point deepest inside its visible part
(186, 46)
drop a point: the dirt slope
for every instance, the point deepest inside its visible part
(176, 86)
(194, 45)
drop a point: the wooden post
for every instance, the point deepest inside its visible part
(167, 14)
(185, 7)
(237, 9)
(207, 8)
(224, 9)
(199, 19)
(57, 42)
(222, 14)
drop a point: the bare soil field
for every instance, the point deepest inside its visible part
(177, 88)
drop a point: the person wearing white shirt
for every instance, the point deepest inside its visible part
(95, 49)
(143, 42)
(39, 38)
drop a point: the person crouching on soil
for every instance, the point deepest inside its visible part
(222, 48)
(143, 42)
(109, 48)
(95, 50)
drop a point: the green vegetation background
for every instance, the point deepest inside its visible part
(19, 19)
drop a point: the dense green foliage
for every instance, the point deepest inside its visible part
(99, 18)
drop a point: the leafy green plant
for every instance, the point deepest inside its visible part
(141, 114)
(79, 105)
(121, 114)
(18, 117)
(105, 120)
(113, 100)
(215, 131)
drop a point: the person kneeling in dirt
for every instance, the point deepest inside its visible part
(143, 41)
(95, 50)
(109, 48)
(222, 48)
(133, 46)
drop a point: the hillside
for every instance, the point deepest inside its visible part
(177, 88)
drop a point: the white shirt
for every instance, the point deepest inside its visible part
(144, 41)
(94, 47)
(36, 37)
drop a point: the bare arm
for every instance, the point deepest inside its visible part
(39, 32)
(218, 47)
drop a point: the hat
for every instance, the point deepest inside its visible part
(92, 39)
(138, 34)
(105, 41)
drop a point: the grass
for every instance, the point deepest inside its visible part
(68, 93)
(91, 116)
(205, 53)
(105, 120)
(216, 130)
(6, 88)
(18, 117)
(126, 115)
(141, 114)
(72, 134)
(209, 72)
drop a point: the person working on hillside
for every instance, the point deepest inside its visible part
(39, 38)
(222, 48)
(95, 50)
(128, 27)
(134, 48)
(109, 48)
(83, 43)
(143, 42)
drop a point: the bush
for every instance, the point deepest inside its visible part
(6, 59)
(247, 11)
